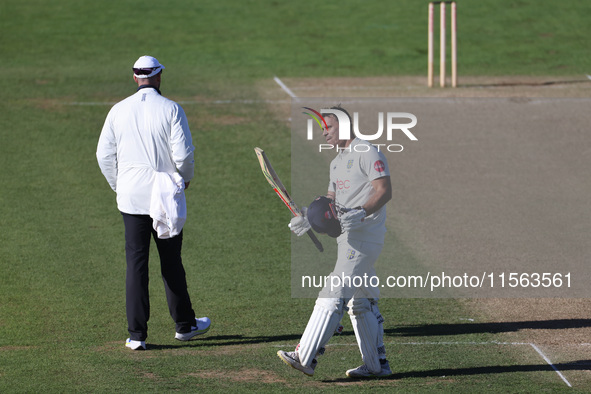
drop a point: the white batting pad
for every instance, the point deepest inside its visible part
(380, 338)
(366, 327)
(321, 327)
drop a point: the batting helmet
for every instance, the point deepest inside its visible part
(323, 217)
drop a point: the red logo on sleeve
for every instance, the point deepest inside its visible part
(379, 166)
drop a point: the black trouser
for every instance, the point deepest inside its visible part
(138, 231)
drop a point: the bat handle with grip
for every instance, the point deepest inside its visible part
(315, 240)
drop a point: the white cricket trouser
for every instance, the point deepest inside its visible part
(353, 272)
(350, 283)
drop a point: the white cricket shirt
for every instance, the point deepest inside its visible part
(143, 134)
(351, 173)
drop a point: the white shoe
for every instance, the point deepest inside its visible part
(364, 372)
(203, 324)
(293, 360)
(135, 345)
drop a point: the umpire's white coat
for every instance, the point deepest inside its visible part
(144, 134)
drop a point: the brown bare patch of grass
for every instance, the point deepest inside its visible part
(247, 375)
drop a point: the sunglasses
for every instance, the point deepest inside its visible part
(144, 71)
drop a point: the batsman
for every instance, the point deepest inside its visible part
(354, 212)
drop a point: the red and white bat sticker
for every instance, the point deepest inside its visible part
(379, 166)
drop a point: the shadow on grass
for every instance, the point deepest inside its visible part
(229, 340)
(545, 83)
(581, 365)
(475, 328)
(424, 330)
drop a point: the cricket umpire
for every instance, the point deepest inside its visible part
(145, 152)
(358, 191)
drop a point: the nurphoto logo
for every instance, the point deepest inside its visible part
(393, 123)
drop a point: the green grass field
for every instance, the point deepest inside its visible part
(62, 312)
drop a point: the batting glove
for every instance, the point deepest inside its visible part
(299, 225)
(352, 219)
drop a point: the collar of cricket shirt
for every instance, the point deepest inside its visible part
(344, 151)
(149, 86)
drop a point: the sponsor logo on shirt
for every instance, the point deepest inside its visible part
(379, 166)
(343, 184)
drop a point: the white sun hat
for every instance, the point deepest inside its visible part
(146, 67)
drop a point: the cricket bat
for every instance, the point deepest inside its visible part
(281, 191)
